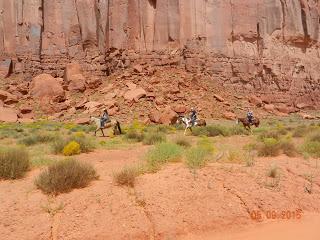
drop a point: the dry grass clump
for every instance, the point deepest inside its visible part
(271, 147)
(65, 175)
(182, 141)
(126, 177)
(14, 163)
(152, 138)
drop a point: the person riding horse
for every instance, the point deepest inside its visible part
(250, 116)
(105, 118)
(193, 116)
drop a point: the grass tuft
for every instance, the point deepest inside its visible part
(65, 175)
(14, 163)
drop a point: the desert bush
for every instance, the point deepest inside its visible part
(58, 145)
(134, 135)
(210, 131)
(273, 171)
(161, 154)
(72, 148)
(153, 138)
(65, 175)
(38, 138)
(238, 130)
(315, 137)
(269, 147)
(182, 141)
(206, 144)
(196, 157)
(312, 148)
(14, 163)
(126, 176)
(86, 143)
(234, 156)
(288, 148)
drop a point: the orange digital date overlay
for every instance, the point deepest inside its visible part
(276, 214)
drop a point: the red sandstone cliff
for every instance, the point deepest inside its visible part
(270, 47)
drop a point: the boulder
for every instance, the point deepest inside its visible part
(131, 85)
(94, 83)
(167, 116)
(7, 97)
(8, 115)
(92, 105)
(138, 68)
(218, 97)
(25, 109)
(71, 69)
(269, 107)
(81, 104)
(180, 108)
(305, 106)
(229, 115)
(255, 100)
(285, 109)
(44, 86)
(154, 116)
(77, 83)
(135, 94)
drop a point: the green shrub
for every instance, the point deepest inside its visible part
(269, 147)
(206, 144)
(72, 148)
(196, 157)
(182, 141)
(315, 137)
(58, 145)
(86, 143)
(210, 131)
(134, 135)
(153, 138)
(161, 154)
(312, 148)
(38, 138)
(65, 175)
(126, 176)
(14, 163)
(238, 130)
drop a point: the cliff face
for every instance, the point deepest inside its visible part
(266, 46)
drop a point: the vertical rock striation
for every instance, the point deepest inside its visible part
(254, 45)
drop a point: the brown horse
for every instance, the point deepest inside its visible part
(247, 124)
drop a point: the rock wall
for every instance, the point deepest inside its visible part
(263, 46)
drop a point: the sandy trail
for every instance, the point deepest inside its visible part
(171, 204)
(306, 228)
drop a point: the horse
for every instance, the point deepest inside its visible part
(247, 124)
(188, 123)
(113, 123)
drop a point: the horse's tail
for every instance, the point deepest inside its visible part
(119, 127)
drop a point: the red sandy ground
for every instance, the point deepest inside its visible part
(213, 203)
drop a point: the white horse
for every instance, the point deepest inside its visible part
(113, 123)
(186, 121)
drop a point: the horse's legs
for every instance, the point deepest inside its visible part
(102, 132)
(185, 131)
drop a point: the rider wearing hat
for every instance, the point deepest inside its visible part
(105, 118)
(193, 116)
(250, 116)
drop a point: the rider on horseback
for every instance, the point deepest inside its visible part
(105, 118)
(250, 116)
(193, 116)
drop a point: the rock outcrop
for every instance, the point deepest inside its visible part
(264, 47)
